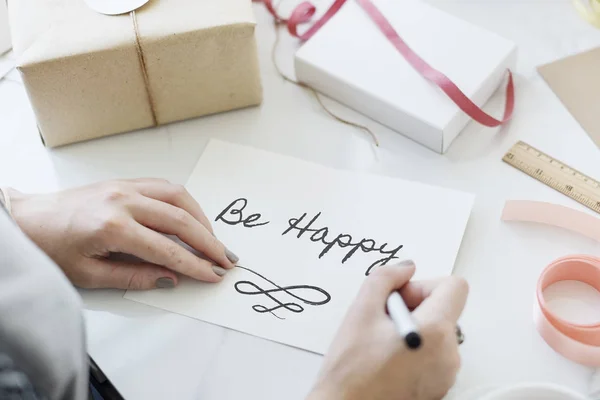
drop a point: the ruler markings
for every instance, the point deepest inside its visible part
(555, 174)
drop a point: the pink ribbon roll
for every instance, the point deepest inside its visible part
(577, 342)
(305, 11)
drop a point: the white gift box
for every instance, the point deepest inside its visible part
(5, 42)
(350, 60)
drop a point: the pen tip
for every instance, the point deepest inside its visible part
(413, 340)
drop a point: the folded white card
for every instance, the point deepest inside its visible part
(306, 236)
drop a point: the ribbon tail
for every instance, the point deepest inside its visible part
(438, 78)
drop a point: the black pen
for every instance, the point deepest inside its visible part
(400, 314)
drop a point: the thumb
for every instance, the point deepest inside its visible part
(124, 275)
(381, 283)
(446, 301)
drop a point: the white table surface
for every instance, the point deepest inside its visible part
(151, 354)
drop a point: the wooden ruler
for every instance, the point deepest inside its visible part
(556, 174)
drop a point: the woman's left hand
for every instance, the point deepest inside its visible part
(80, 228)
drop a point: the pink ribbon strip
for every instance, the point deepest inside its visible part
(552, 214)
(577, 342)
(304, 12)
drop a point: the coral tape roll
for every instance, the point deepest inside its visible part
(577, 342)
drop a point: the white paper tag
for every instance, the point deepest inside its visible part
(115, 7)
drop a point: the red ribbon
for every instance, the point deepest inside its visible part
(304, 12)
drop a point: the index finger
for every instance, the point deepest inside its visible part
(154, 248)
(414, 292)
(377, 287)
(176, 195)
(445, 301)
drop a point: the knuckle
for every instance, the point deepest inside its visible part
(136, 281)
(216, 244)
(438, 331)
(459, 283)
(105, 230)
(178, 191)
(181, 217)
(115, 193)
(172, 251)
(112, 225)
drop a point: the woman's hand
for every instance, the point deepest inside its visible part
(368, 360)
(80, 228)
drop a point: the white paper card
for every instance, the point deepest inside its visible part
(261, 206)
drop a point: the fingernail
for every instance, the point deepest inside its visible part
(218, 270)
(231, 256)
(163, 283)
(405, 263)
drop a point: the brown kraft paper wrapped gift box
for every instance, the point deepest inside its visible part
(89, 75)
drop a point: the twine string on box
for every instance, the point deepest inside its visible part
(314, 92)
(140, 53)
(301, 14)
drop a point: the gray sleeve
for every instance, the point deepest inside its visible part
(42, 342)
(14, 383)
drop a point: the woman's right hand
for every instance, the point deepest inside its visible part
(368, 360)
